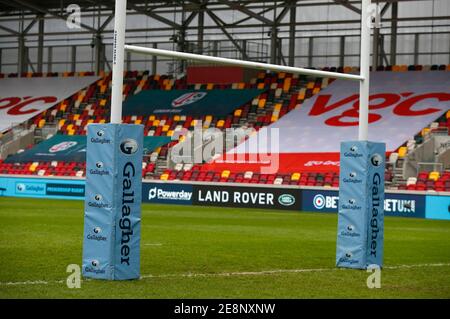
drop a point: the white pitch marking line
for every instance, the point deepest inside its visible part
(154, 244)
(226, 274)
(29, 282)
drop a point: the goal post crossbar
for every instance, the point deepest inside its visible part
(242, 63)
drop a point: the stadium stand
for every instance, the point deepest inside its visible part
(282, 93)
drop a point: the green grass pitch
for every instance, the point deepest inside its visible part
(204, 252)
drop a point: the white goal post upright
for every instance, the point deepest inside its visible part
(120, 17)
(364, 72)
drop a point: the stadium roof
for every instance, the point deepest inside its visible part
(44, 6)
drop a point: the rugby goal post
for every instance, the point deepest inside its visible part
(113, 200)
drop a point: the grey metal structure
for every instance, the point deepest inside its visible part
(35, 35)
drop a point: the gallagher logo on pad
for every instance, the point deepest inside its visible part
(376, 160)
(129, 146)
(188, 98)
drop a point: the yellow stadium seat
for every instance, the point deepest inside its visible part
(241, 86)
(237, 112)
(260, 86)
(176, 118)
(287, 85)
(225, 174)
(310, 85)
(347, 69)
(61, 123)
(316, 90)
(301, 94)
(208, 118)
(261, 103)
(102, 102)
(295, 176)
(210, 86)
(220, 123)
(425, 131)
(274, 118)
(447, 115)
(170, 133)
(165, 128)
(277, 107)
(138, 122)
(151, 118)
(155, 123)
(402, 151)
(164, 177)
(76, 117)
(433, 176)
(41, 123)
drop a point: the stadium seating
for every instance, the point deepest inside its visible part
(284, 92)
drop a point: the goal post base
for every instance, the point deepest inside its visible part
(112, 216)
(361, 205)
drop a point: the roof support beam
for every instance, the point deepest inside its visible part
(32, 23)
(346, 4)
(241, 8)
(38, 9)
(220, 23)
(9, 30)
(155, 16)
